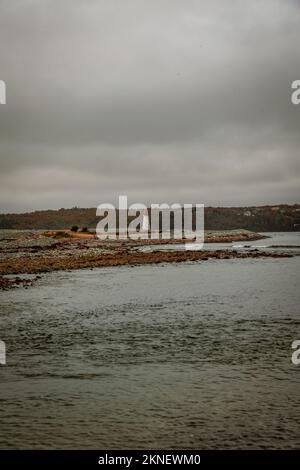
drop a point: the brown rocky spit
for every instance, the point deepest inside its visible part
(72, 252)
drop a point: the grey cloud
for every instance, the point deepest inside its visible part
(177, 101)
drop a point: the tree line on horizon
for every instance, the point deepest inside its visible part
(264, 218)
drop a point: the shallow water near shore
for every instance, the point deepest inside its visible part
(193, 355)
(274, 241)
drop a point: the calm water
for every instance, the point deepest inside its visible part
(188, 356)
(274, 242)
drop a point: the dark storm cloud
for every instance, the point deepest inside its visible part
(161, 100)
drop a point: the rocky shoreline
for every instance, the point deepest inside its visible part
(33, 253)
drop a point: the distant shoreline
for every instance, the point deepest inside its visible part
(265, 218)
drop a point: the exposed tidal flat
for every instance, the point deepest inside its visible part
(36, 252)
(182, 355)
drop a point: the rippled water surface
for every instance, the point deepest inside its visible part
(168, 356)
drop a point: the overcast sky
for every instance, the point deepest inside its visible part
(162, 100)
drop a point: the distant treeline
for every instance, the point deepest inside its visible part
(260, 219)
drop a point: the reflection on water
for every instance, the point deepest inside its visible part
(174, 356)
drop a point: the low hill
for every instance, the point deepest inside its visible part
(260, 219)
